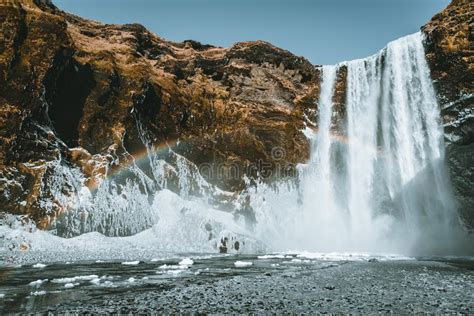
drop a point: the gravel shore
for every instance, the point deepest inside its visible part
(275, 285)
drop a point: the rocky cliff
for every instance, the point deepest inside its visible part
(94, 97)
(450, 54)
(81, 97)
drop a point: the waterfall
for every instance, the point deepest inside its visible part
(395, 180)
(319, 179)
(363, 84)
(382, 186)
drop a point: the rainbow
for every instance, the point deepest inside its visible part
(137, 158)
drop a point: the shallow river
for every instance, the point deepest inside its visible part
(287, 282)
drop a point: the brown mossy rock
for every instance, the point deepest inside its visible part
(450, 55)
(88, 97)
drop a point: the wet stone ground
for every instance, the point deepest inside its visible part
(217, 285)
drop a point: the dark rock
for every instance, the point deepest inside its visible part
(450, 55)
(104, 93)
(223, 245)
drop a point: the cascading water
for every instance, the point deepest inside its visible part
(395, 145)
(382, 186)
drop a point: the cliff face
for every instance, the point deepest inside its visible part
(77, 96)
(77, 93)
(450, 54)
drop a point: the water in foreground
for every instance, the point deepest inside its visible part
(271, 283)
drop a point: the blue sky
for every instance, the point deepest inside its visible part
(323, 31)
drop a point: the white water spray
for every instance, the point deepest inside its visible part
(385, 189)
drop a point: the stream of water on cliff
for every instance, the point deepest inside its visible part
(376, 185)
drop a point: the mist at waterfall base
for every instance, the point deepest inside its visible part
(377, 186)
(385, 187)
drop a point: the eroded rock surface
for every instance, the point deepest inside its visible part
(80, 96)
(450, 54)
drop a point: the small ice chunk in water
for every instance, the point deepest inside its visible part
(2, 295)
(186, 262)
(173, 267)
(155, 260)
(242, 264)
(95, 281)
(76, 278)
(37, 293)
(38, 283)
(70, 285)
(131, 280)
(39, 265)
(130, 263)
(264, 257)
